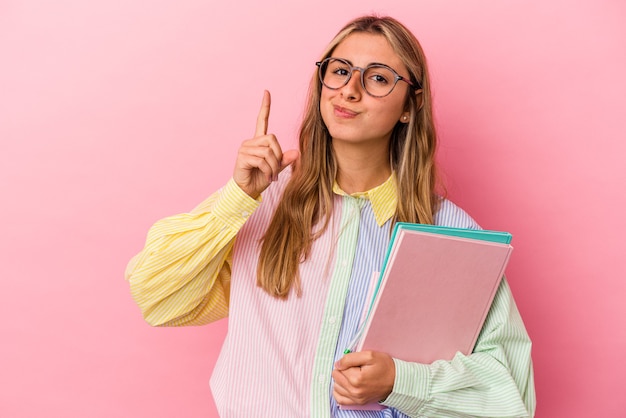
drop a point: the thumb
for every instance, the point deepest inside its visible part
(348, 361)
(289, 157)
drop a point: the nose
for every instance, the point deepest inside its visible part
(352, 90)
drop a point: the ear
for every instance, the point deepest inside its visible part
(419, 99)
(406, 115)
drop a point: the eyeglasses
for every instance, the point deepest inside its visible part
(378, 80)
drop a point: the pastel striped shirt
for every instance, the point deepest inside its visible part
(277, 358)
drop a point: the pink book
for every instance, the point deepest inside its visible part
(434, 296)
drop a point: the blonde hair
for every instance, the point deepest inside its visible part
(308, 198)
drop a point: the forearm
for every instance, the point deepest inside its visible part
(182, 276)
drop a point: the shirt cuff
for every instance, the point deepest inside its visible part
(234, 206)
(411, 387)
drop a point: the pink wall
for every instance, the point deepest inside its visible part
(114, 114)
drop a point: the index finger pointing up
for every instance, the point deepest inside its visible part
(264, 115)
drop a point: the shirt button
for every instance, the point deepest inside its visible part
(321, 378)
(344, 263)
(332, 319)
(244, 214)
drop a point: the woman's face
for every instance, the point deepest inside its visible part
(352, 115)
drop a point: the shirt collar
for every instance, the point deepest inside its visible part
(383, 197)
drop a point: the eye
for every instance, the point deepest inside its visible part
(379, 75)
(380, 79)
(342, 71)
(337, 69)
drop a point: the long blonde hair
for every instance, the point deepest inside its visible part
(308, 198)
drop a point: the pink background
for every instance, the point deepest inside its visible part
(116, 113)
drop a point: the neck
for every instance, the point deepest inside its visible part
(359, 170)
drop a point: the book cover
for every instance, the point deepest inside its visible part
(434, 292)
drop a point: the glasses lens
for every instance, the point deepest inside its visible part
(334, 73)
(379, 80)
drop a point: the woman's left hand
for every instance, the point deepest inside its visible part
(363, 377)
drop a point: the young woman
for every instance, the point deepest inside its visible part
(287, 247)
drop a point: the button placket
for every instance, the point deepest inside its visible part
(335, 304)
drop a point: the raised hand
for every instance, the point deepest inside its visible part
(260, 159)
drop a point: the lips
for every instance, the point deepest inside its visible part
(342, 112)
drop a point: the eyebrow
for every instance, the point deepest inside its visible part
(371, 63)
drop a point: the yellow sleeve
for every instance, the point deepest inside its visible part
(182, 276)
